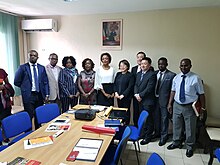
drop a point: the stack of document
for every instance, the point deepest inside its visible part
(38, 142)
(59, 124)
(88, 149)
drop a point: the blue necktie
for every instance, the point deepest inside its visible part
(142, 75)
(36, 78)
(182, 89)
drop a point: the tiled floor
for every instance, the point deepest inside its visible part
(170, 157)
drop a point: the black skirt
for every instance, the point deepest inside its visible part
(101, 99)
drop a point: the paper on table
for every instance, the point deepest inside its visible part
(98, 107)
(86, 153)
(88, 148)
(90, 143)
(27, 144)
(61, 120)
(54, 127)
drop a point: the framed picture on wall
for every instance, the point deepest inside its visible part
(112, 34)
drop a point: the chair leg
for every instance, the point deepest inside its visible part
(121, 161)
(138, 147)
(211, 150)
(136, 152)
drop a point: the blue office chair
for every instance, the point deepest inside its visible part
(136, 132)
(18, 125)
(46, 113)
(217, 154)
(155, 159)
(113, 154)
(2, 147)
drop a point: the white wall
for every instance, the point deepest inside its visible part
(175, 34)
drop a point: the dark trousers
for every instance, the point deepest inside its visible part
(148, 126)
(58, 102)
(157, 118)
(136, 112)
(4, 113)
(125, 103)
(66, 102)
(161, 120)
(36, 100)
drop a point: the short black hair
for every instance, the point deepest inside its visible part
(147, 59)
(142, 53)
(163, 59)
(106, 54)
(84, 63)
(72, 59)
(124, 62)
(53, 54)
(186, 59)
(32, 51)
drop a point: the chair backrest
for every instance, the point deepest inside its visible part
(16, 124)
(217, 154)
(122, 144)
(47, 112)
(155, 159)
(141, 120)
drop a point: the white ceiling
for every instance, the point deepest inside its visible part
(81, 7)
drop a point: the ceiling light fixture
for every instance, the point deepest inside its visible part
(67, 0)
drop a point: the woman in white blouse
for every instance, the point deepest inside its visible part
(104, 80)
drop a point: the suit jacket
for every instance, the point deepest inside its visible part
(146, 87)
(165, 87)
(124, 84)
(134, 70)
(53, 83)
(67, 83)
(23, 80)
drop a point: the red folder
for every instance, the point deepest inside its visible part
(197, 107)
(98, 130)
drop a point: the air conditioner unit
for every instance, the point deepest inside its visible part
(39, 25)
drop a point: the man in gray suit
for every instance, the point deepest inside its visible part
(52, 73)
(162, 93)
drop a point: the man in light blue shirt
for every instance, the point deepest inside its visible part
(187, 87)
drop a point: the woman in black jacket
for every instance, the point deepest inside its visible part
(123, 87)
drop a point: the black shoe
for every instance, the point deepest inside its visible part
(145, 141)
(162, 142)
(6, 140)
(189, 153)
(172, 146)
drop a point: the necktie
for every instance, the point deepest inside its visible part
(36, 78)
(158, 83)
(182, 89)
(142, 75)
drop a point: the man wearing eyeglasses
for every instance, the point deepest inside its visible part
(52, 73)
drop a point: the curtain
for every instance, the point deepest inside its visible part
(9, 46)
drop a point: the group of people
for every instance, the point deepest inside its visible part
(159, 92)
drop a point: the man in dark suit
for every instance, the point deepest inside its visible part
(144, 94)
(134, 71)
(162, 93)
(32, 79)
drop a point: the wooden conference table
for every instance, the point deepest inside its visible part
(57, 152)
